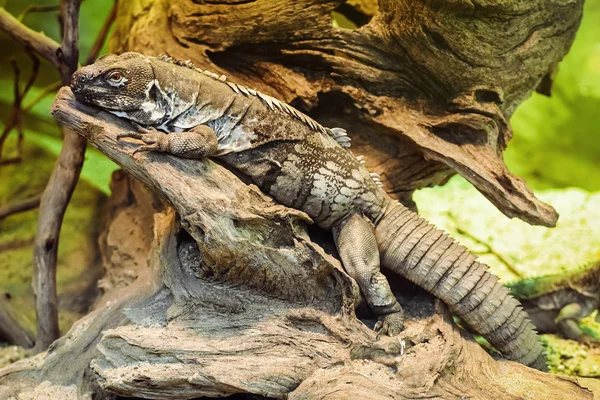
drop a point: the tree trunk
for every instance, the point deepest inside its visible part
(224, 291)
(425, 89)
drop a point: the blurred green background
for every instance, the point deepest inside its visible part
(556, 149)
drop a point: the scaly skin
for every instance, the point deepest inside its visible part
(302, 165)
(556, 303)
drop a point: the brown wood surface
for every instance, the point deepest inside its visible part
(236, 298)
(425, 89)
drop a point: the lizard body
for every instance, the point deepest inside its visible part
(308, 167)
(556, 303)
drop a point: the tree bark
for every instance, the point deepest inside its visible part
(236, 298)
(58, 192)
(425, 89)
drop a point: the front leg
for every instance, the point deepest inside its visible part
(355, 240)
(567, 321)
(198, 142)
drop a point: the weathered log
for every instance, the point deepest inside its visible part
(11, 330)
(237, 299)
(424, 89)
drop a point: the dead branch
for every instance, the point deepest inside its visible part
(19, 207)
(102, 34)
(68, 166)
(10, 330)
(39, 43)
(57, 194)
(425, 89)
(237, 299)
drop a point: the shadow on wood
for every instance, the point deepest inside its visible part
(236, 298)
(425, 88)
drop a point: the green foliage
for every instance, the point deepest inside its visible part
(530, 250)
(40, 128)
(339, 20)
(557, 139)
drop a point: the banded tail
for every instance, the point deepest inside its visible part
(415, 249)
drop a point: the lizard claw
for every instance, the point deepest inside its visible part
(153, 139)
(141, 128)
(390, 324)
(152, 147)
(135, 135)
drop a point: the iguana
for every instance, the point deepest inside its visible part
(556, 303)
(189, 113)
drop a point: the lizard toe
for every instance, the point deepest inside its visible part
(150, 147)
(390, 324)
(134, 135)
(154, 141)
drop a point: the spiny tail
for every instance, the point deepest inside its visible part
(418, 251)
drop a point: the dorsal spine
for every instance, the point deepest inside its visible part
(338, 134)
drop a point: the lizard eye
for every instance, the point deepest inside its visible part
(115, 77)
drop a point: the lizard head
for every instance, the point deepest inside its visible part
(115, 82)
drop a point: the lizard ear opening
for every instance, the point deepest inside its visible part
(153, 93)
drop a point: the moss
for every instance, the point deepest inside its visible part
(11, 354)
(568, 357)
(531, 250)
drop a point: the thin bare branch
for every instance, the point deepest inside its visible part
(57, 194)
(22, 206)
(13, 112)
(102, 34)
(16, 114)
(35, 69)
(37, 8)
(10, 329)
(37, 42)
(50, 89)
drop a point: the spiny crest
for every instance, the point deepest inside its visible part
(338, 134)
(376, 177)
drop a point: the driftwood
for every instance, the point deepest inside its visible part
(425, 89)
(11, 330)
(236, 298)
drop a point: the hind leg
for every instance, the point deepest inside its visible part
(355, 240)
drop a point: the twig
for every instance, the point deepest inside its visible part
(57, 194)
(488, 248)
(10, 329)
(102, 34)
(37, 42)
(25, 205)
(12, 120)
(16, 114)
(36, 8)
(50, 89)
